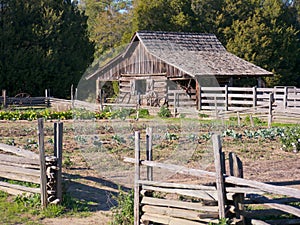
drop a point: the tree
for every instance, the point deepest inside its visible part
(268, 39)
(44, 44)
(109, 23)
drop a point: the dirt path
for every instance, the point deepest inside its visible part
(85, 184)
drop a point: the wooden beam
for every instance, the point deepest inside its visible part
(179, 204)
(143, 75)
(20, 177)
(19, 187)
(19, 160)
(205, 195)
(178, 213)
(228, 179)
(136, 179)
(43, 178)
(168, 220)
(216, 139)
(19, 151)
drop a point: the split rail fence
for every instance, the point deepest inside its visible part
(202, 204)
(17, 164)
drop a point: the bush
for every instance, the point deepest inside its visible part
(164, 112)
(143, 113)
(123, 213)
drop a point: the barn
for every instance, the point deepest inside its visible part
(157, 66)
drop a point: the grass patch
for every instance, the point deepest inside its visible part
(27, 210)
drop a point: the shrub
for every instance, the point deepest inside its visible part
(123, 213)
(143, 113)
(164, 112)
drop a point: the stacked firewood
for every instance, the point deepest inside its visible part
(51, 173)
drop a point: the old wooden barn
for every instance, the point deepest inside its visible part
(158, 66)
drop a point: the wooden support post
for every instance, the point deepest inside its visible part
(285, 97)
(226, 98)
(43, 181)
(200, 99)
(175, 110)
(58, 141)
(251, 120)
(72, 96)
(76, 94)
(254, 90)
(219, 174)
(136, 180)
(149, 152)
(238, 119)
(47, 97)
(216, 108)
(101, 99)
(236, 169)
(271, 100)
(4, 98)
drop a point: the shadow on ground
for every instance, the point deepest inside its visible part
(97, 192)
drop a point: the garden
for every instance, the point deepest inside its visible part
(95, 144)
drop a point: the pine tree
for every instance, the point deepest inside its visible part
(44, 44)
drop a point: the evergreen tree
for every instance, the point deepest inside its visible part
(44, 44)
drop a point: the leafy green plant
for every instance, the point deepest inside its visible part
(123, 213)
(223, 221)
(202, 115)
(290, 139)
(143, 113)
(119, 139)
(171, 136)
(164, 112)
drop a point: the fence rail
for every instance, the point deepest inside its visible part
(225, 199)
(238, 98)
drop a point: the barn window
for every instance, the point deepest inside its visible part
(141, 86)
(138, 87)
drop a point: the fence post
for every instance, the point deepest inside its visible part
(271, 99)
(236, 169)
(199, 101)
(216, 108)
(136, 180)
(251, 120)
(285, 97)
(47, 96)
(43, 182)
(254, 96)
(4, 98)
(226, 97)
(219, 174)
(149, 152)
(238, 119)
(72, 96)
(175, 110)
(58, 140)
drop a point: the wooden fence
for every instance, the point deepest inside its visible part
(201, 204)
(238, 98)
(22, 165)
(24, 101)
